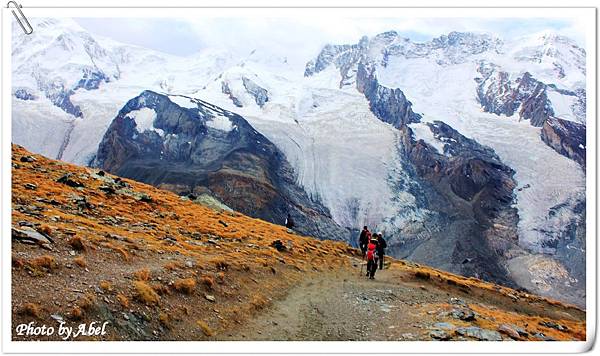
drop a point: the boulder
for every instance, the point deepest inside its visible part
(479, 333)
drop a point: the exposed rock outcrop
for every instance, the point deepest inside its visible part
(500, 95)
(260, 94)
(388, 104)
(565, 137)
(470, 192)
(357, 68)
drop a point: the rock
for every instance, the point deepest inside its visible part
(278, 245)
(542, 336)
(389, 105)
(553, 325)
(440, 335)
(458, 301)
(260, 94)
(107, 189)
(30, 186)
(189, 264)
(26, 223)
(444, 326)
(521, 331)
(464, 314)
(408, 336)
(46, 247)
(210, 298)
(566, 137)
(145, 198)
(510, 331)
(66, 179)
(29, 235)
(57, 317)
(479, 333)
(27, 159)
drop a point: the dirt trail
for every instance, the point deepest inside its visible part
(342, 305)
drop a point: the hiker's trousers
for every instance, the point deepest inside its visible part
(371, 267)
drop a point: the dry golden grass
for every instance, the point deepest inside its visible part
(76, 313)
(46, 261)
(106, 286)
(45, 229)
(186, 285)
(221, 277)
(145, 293)
(220, 263)
(258, 302)
(165, 320)
(32, 309)
(160, 289)
(17, 262)
(123, 300)
(80, 261)
(170, 266)
(77, 243)
(87, 302)
(142, 275)
(207, 281)
(204, 327)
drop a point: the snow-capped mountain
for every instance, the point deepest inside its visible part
(468, 150)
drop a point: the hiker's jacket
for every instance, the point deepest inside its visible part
(364, 238)
(381, 246)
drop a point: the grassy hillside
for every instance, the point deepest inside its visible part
(88, 246)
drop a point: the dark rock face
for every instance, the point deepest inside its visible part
(499, 95)
(565, 137)
(226, 90)
(91, 79)
(357, 68)
(186, 152)
(60, 95)
(260, 94)
(23, 94)
(389, 105)
(62, 98)
(470, 192)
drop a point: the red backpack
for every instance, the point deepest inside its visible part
(371, 251)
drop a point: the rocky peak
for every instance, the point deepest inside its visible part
(190, 146)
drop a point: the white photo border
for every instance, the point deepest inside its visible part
(586, 16)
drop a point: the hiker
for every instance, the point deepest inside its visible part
(289, 222)
(372, 258)
(381, 246)
(363, 240)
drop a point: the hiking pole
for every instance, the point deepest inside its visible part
(362, 264)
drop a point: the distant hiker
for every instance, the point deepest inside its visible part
(363, 240)
(372, 258)
(289, 222)
(381, 246)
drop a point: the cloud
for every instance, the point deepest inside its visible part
(301, 38)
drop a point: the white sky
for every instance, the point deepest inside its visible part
(302, 38)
